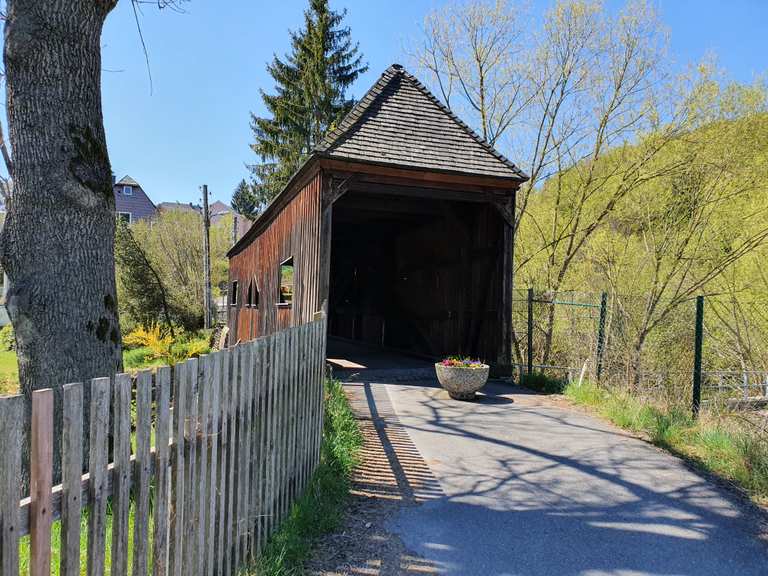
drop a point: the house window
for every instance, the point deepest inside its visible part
(253, 295)
(124, 217)
(233, 294)
(127, 190)
(286, 281)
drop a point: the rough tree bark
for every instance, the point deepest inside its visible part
(58, 239)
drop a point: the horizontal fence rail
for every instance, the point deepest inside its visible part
(194, 467)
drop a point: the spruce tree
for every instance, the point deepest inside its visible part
(245, 200)
(310, 96)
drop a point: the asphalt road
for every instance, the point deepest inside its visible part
(536, 489)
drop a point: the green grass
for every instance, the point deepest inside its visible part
(319, 510)
(9, 373)
(140, 358)
(24, 545)
(725, 445)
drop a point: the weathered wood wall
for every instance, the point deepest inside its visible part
(294, 232)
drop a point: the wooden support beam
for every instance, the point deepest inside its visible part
(356, 203)
(506, 208)
(421, 174)
(326, 224)
(384, 189)
(507, 211)
(336, 188)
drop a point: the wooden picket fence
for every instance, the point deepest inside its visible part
(236, 434)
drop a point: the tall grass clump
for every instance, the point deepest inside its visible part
(319, 510)
(734, 447)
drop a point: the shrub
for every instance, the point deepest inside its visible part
(157, 344)
(7, 338)
(542, 383)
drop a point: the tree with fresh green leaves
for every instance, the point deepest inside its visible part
(143, 295)
(310, 96)
(162, 261)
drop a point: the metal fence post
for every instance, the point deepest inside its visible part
(698, 343)
(530, 330)
(601, 335)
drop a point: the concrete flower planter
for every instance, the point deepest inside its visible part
(461, 383)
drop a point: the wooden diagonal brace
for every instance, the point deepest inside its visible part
(506, 208)
(336, 188)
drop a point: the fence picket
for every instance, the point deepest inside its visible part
(121, 484)
(190, 461)
(11, 415)
(277, 458)
(292, 419)
(245, 492)
(162, 449)
(97, 488)
(239, 514)
(230, 533)
(222, 544)
(274, 377)
(201, 508)
(41, 482)
(284, 388)
(178, 478)
(71, 475)
(258, 431)
(214, 383)
(142, 468)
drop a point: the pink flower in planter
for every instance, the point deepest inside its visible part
(457, 362)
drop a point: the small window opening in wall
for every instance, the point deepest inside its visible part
(253, 295)
(124, 217)
(127, 190)
(286, 281)
(233, 294)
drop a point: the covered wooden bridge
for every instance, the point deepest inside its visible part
(398, 227)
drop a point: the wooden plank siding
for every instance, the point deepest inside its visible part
(442, 254)
(292, 234)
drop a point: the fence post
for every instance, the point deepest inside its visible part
(530, 330)
(699, 340)
(601, 335)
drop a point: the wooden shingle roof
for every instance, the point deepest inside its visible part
(127, 181)
(400, 122)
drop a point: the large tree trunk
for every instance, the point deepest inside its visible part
(58, 239)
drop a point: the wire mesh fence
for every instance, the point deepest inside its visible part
(646, 345)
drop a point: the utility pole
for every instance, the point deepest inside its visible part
(208, 304)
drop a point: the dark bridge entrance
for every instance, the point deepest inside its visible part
(417, 273)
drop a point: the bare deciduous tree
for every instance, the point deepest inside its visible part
(472, 52)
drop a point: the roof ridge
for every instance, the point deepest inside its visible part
(463, 125)
(351, 118)
(392, 72)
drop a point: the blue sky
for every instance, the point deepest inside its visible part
(208, 65)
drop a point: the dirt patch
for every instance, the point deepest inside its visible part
(392, 474)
